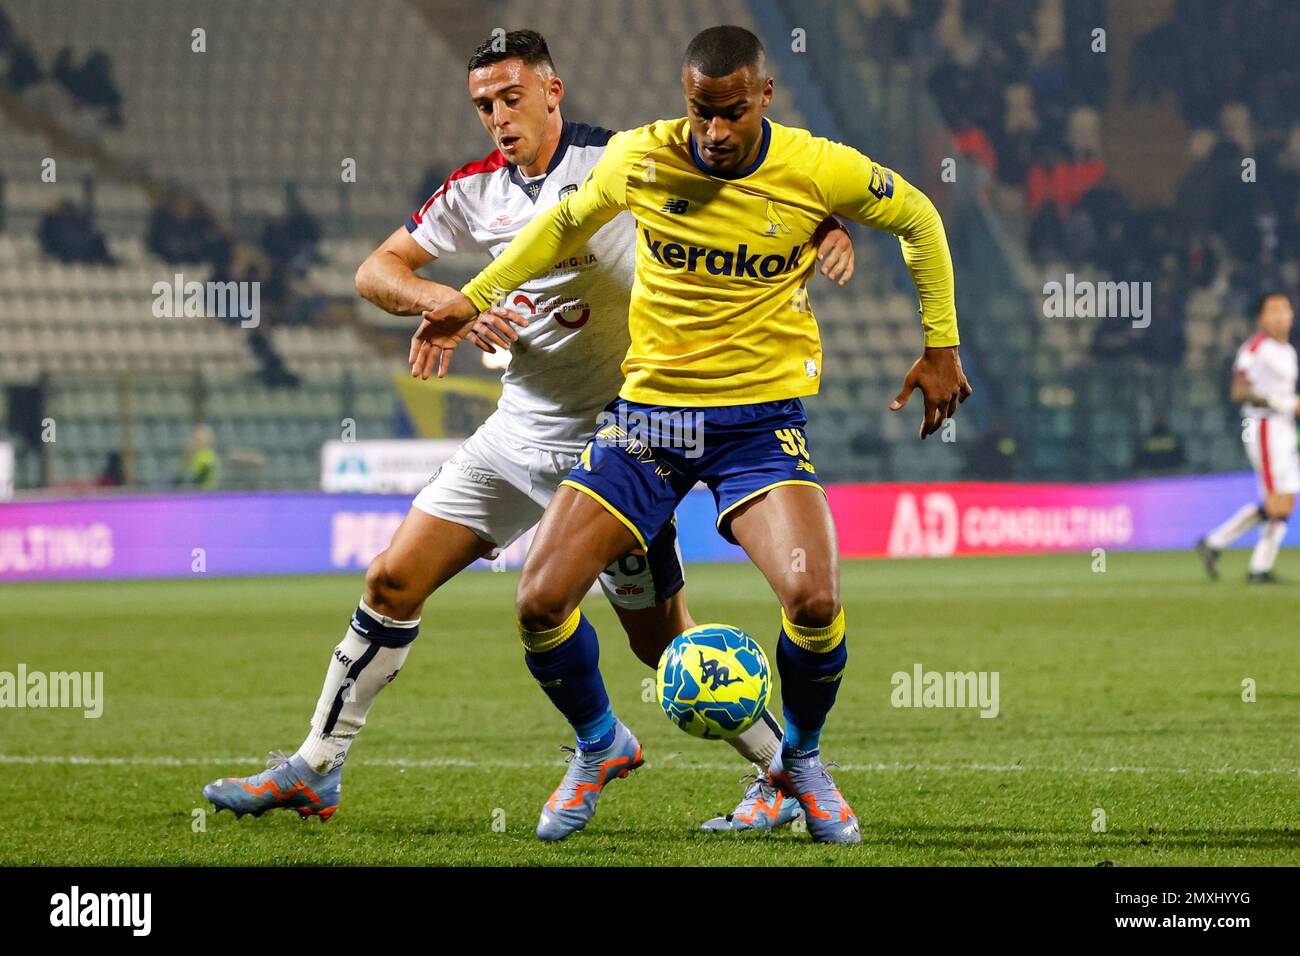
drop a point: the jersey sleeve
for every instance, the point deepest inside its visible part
(560, 231)
(1244, 361)
(868, 193)
(439, 226)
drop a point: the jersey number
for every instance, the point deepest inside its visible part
(792, 442)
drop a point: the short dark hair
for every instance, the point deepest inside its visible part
(527, 45)
(720, 51)
(1262, 300)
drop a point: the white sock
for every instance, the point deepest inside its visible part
(1265, 553)
(760, 743)
(1232, 529)
(360, 667)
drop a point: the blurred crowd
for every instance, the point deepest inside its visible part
(88, 82)
(1024, 89)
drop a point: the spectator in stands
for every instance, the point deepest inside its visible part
(290, 239)
(91, 83)
(1018, 142)
(22, 70)
(68, 234)
(182, 230)
(113, 475)
(1159, 450)
(1164, 342)
(198, 464)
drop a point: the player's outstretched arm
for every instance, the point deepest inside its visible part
(387, 277)
(880, 198)
(553, 235)
(559, 231)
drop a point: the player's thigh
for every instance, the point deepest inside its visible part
(772, 504)
(789, 534)
(1279, 466)
(470, 509)
(651, 629)
(645, 590)
(642, 579)
(426, 552)
(617, 497)
(576, 540)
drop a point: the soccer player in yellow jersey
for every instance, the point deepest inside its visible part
(723, 345)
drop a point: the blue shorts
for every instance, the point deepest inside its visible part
(643, 459)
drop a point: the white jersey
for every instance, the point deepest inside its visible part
(566, 365)
(1269, 367)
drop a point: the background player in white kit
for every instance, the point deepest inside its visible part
(565, 368)
(1264, 381)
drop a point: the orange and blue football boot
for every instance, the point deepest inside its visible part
(573, 803)
(763, 807)
(829, 817)
(287, 783)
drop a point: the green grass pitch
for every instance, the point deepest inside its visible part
(1121, 693)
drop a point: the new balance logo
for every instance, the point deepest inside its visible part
(676, 206)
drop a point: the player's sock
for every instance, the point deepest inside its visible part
(363, 664)
(1242, 521)
(760, 743)
(1265, 553)
(811, 663)
(565, 661)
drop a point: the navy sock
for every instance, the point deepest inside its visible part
(565, 661)
(811, 662)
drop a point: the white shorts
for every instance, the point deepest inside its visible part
(498, 488)
(1271, 446)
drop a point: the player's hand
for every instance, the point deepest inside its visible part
(1285, 405)
(442, 328)
(834, 250)
(939, 376)
(496, 327)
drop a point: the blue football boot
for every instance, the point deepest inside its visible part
(763, 807)
(829, 817)
(286, 783)
(573, 803)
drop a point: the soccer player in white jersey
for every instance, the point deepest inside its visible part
(1264, 381)
(565, 368)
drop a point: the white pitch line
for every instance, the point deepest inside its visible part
(668, 763)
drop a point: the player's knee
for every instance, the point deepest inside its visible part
(812, 605)
(1278, 507)
(540, 606)
(389, 591)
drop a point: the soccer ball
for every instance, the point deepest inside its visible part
(713, 681)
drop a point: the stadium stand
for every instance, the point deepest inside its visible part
(1011, 89)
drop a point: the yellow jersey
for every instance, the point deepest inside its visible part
(719, 311)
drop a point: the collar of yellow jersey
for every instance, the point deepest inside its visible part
(740, 173)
